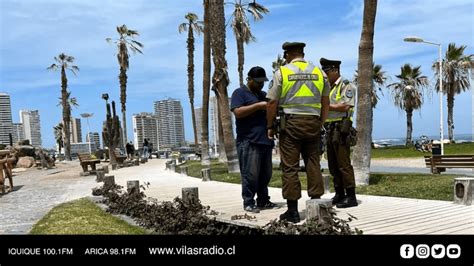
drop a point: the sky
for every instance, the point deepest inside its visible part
(33, 32)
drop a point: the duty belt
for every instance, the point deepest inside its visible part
(300, 116)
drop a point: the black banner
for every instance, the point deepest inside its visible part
(381, 250)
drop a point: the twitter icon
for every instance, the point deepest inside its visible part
(438, 251)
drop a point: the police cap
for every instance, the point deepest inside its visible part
(293, 45)
(327, 64)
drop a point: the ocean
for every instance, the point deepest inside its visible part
(459, 138)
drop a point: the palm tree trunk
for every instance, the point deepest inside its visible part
(66, 115)
(450, 116)
(240, 53)
(408, 141)
(206, 84)
(221, 80)
(222, 155)
(123, 102)
(362, 151)
(191, 81)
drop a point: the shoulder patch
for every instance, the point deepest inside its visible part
(349, 93)
(270, 84)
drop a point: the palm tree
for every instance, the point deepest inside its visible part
(124, 43)
(455, 78)
(220, 81)
(280, 61)
(192, 25)
(72, 101)
(362, 151)
(206, 84)
(408, 93)
(65, 62)
(58, 136)
(378, 81)
(241, 27)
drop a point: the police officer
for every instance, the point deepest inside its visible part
(342, 101)
(302, 91)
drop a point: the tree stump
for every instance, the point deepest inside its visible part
(319, 208)
(326, 184)
(105, 168)
(100, 175)
(463, 190)
(109, 180)
(206, 174)
(136, 162)
(114, 166)
(133, 186)
(184, 170)
(190, 195)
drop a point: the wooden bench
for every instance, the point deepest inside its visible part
(120, 158)
(439, 163)
(6, 170)
(85, 160)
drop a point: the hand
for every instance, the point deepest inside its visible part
(270, 133)
(262, 105)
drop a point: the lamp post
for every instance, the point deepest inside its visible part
(86, 116)
(440, 62)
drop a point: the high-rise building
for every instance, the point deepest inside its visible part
(6, 124)
(145, 126)
(18, 132)
(198, 114)
(94, 136)
(32, 126)
(171, 123)
(76, 130)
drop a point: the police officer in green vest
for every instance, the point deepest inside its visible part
(342, 101)
(301, 90)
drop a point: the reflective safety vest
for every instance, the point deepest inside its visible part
(302, 86)
(334, 98)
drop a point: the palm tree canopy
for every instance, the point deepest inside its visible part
(124, 42)
(240, 23)
(197, 26)
(65, 61)
(408, 92)
(71, 100)
(378, 79)
(455, 70)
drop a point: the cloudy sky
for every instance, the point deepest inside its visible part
(32, 32)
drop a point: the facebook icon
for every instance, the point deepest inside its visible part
(407, 251)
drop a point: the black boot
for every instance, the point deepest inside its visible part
(350, 199)
(291, 215)
(339, 195)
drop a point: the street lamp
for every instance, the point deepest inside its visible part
(418, 39)
(86, 116)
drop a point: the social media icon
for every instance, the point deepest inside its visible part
(422, 251)
(438, 251)
(453, 251)
(407, 251)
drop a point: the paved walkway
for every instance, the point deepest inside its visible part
(376, 215)
(38, 191)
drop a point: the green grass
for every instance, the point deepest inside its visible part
(410, 152)
(219, 173)
(82, 216)
(417, 186)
